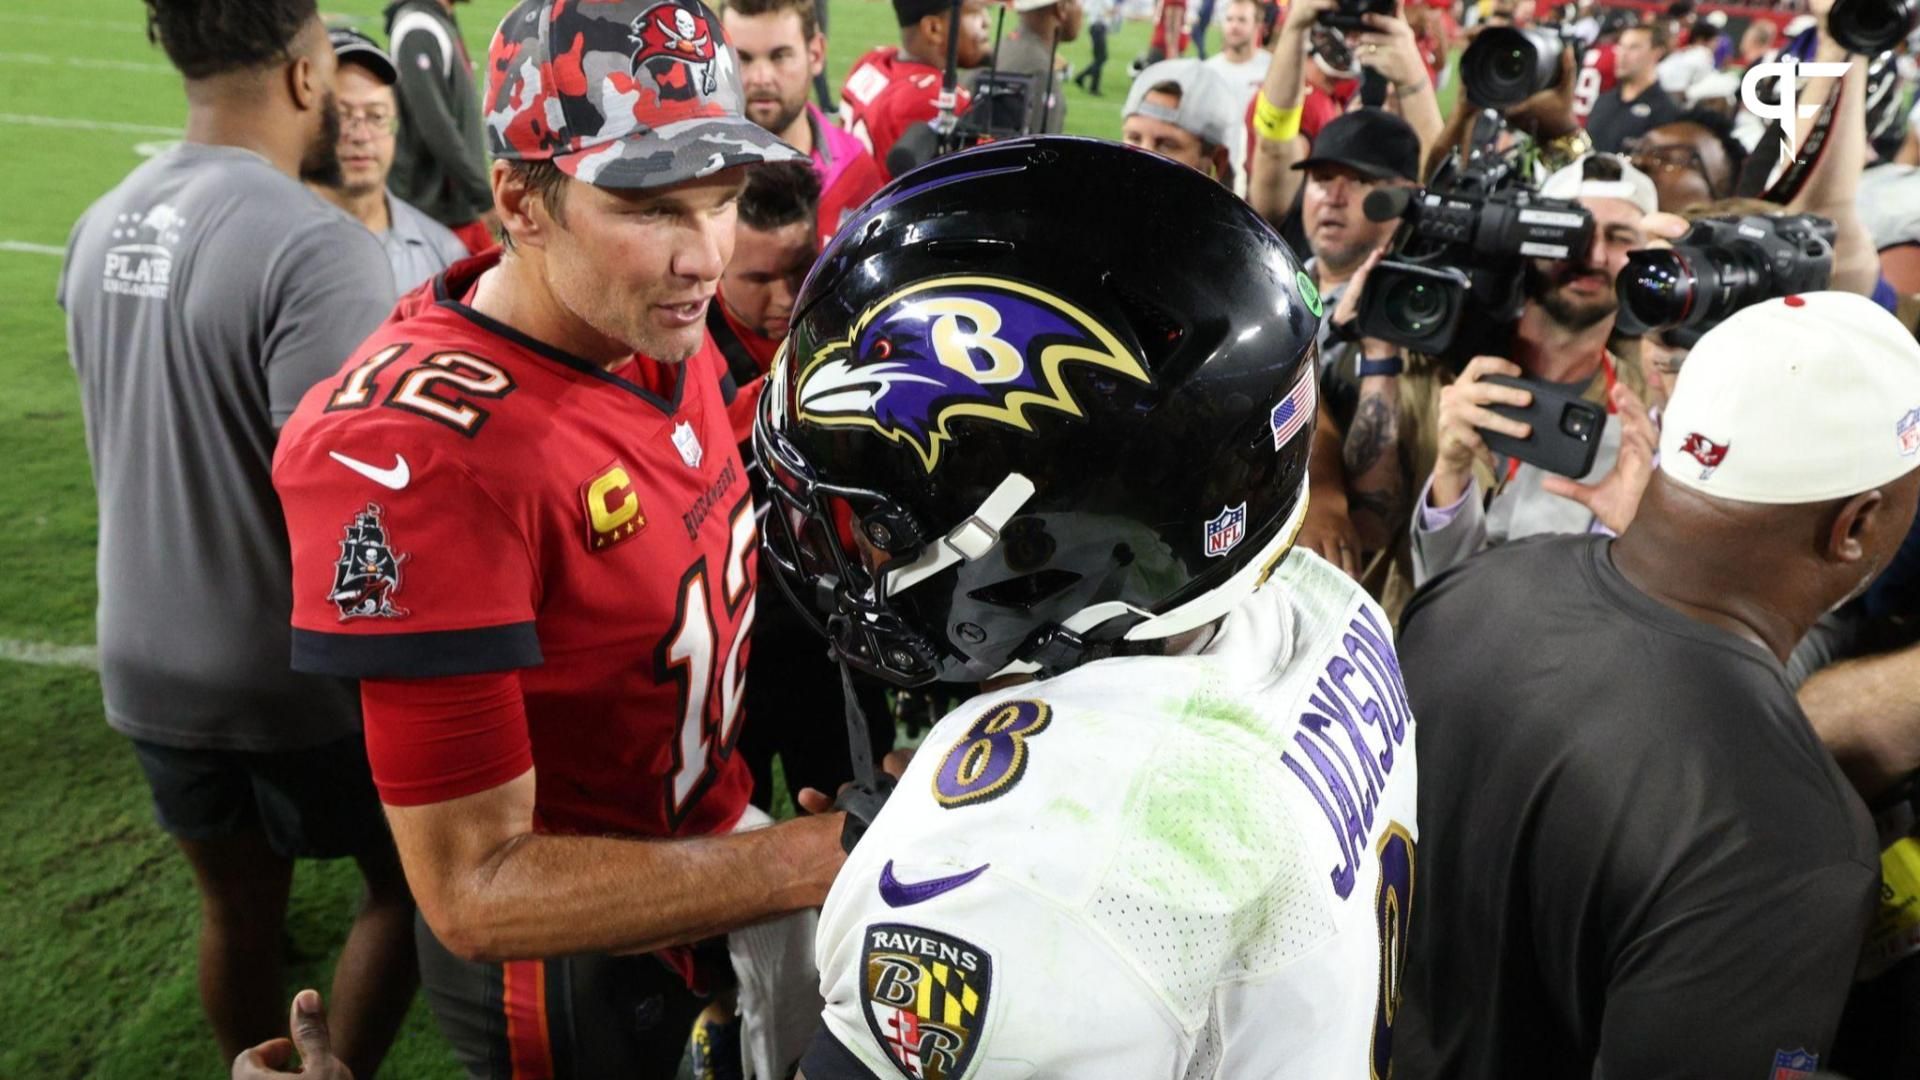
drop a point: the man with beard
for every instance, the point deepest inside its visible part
(891, 89)
(780, 49)
(417, 246)
(1473, 499)
(204, 294)
(519, 518)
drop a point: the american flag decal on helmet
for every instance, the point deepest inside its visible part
(1290, 417)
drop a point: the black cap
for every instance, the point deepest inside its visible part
(909, 12)
(354, 47)
(1371, 142)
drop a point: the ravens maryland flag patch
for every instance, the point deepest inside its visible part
(925, 996)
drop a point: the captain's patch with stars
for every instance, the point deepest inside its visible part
(967, 346)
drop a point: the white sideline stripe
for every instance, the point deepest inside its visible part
(24, 248)
(61, 20)
(76, 124)
(47, 654)
(85, 62)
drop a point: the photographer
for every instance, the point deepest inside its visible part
(1296, 100)
(1471, 500)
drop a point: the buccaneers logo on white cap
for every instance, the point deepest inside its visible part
(1705, 451)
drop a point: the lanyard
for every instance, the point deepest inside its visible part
(1606, 365)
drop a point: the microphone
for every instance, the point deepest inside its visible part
(1387, 203)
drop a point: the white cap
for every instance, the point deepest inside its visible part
(1032, 5)
(1719, 86)
(1717, 19)
(1634, 186)
(1796, 400)
(1209, 105)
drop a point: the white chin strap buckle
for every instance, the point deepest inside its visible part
(969, 540)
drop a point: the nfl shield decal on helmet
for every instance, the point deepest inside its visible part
(1225, 532)
(687, 442)
(1794, 1064)
(367, 574)
(925, 995)
(1908, 430)
(965, 347)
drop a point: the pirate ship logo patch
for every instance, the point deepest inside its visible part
(367, 574)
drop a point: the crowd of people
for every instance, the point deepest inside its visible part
(452, 419)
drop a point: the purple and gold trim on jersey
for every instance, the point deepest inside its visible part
(991, 756)
(1347, 738)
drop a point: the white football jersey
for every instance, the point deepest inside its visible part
(1149, 867)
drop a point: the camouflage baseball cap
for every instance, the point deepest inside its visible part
(621, 93)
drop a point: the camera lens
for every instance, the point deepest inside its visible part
(1415, 307)
(1505, 66)
(1873, 26)
(1576, 422)
(1656, 288)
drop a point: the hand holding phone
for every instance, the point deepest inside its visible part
(1564, 428)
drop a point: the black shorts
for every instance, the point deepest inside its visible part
(314, 803)
(576, 1017)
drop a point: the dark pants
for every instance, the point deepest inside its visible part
(585, 1016)
(1089, 79)
(1201, 24)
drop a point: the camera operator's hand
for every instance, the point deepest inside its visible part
(1616, 496)
(1389, 48)
(1549, 113)
(1348, 309)
(1463, 413)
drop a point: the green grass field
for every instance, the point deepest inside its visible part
(98, 913)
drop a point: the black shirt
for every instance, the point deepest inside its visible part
(1636, 859)
(1613, 121)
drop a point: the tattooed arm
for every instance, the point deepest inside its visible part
(1377, 481)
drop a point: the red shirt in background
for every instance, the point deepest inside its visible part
(884, 95)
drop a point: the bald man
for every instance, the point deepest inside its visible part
(1636, 858)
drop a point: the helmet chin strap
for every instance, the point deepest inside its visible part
(969, 540)
(1056, 652)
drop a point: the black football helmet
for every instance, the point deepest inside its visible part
(1040, 399)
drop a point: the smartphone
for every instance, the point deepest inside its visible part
(1566, 428)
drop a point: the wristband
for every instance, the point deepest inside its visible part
(1385, 365)
(1272, 122)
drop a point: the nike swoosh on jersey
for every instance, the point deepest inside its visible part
(394, 478)
(901, 894)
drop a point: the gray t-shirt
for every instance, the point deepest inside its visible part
(1030, 55)
(204, 295)
(418, 247)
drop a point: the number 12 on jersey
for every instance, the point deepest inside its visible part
(686, 656)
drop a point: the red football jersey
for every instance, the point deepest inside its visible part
(887, 93)
(1595, 77)
(463, 499)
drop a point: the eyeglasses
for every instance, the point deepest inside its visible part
(375, 121)
(1669, 159)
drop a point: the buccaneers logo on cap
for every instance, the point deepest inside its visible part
(979, 347)
(1705, 451)
(675, 46)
